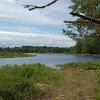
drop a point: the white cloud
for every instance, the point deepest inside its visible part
(11, 10)
(19, 39)
(34, 25)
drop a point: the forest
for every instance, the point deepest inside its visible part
(36, 49)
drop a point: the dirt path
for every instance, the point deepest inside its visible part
(78, 84)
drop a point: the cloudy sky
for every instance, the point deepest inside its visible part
(18, 26)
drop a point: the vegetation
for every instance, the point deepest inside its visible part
(36, 49)
(74, 81)
(83, 31)
(14, 54)
(27, 81)
(83, 65)
(82, 81)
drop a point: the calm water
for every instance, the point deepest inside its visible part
(47, 59)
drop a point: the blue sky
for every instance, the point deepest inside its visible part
(18, 26)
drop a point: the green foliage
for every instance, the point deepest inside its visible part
(83, 65)
(97, 92)
(90, 8)
(25, 81)
(36, 49)
(87, 32)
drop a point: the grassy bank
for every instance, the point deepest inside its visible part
(27, 82)
(14, 55)
(82, 81)
(73, 81)
(82, 65)
(95, 55)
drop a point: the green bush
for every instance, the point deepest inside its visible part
(24, 81)
(83, 65)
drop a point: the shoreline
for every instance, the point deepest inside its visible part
(15, 55)
(21, 54)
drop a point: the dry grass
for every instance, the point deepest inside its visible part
(78, 84)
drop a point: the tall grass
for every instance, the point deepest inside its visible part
(26, 81)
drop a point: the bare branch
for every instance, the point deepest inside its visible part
(86, 18)
(32, 7)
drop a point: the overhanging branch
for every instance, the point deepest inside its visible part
(86, 18)
(32, 7)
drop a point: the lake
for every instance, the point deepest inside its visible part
(49, 60)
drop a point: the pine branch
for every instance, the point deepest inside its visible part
(76, 22)
(86, 18)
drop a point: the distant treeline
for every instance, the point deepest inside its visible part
(36, 49)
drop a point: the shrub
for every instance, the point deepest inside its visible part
(25, 81)
(83, 65)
